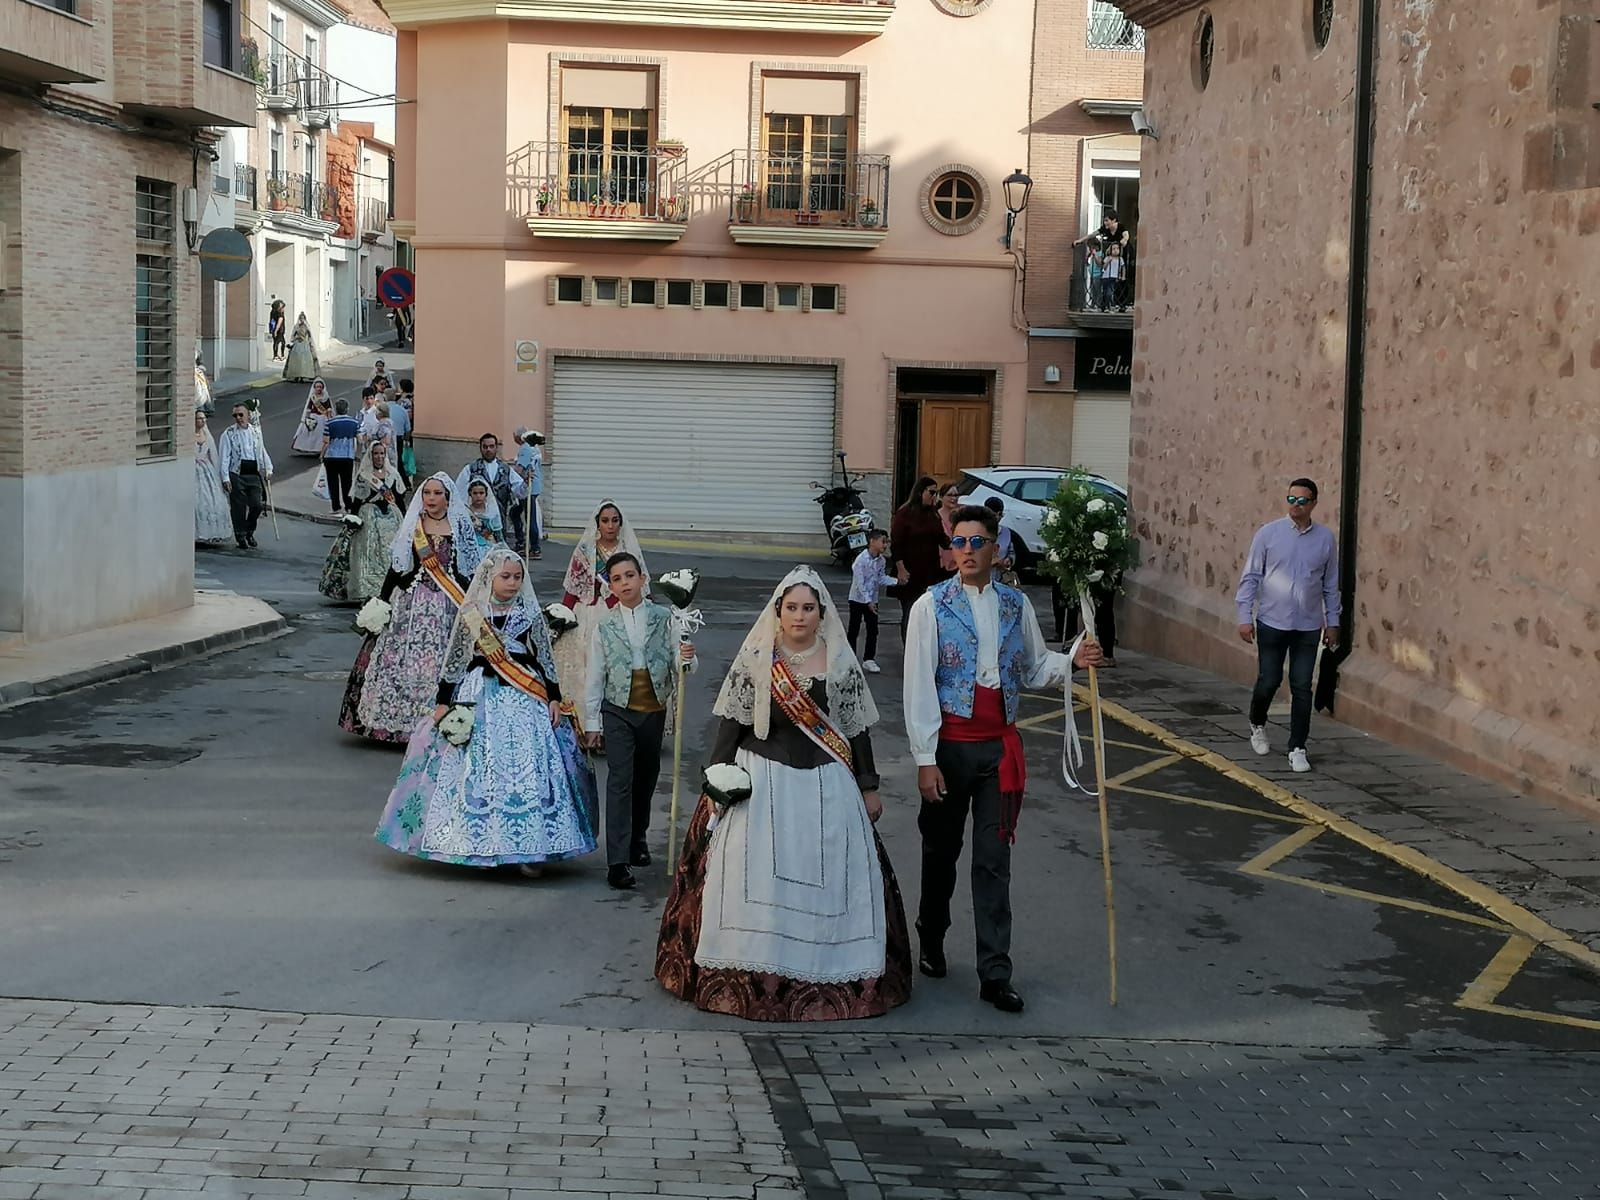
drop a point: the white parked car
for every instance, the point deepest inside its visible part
(1025, 491)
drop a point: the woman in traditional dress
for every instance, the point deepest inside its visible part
(396, 674)
(212, 522)
(313, 419)
(785, 907)
(485, 514)
(358, 560)
(301, 364)
(519, 791)
(586, 589)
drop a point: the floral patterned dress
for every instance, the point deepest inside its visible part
(396, 673)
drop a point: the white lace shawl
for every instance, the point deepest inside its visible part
(402, 557)
(584, 568)
(746, 695)
(525, 626)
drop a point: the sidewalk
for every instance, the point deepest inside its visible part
(218, 620)
(232, 382)
(1541, 856)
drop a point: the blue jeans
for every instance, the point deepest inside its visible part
(1300, 646)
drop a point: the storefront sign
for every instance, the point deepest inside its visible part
(1104, 363)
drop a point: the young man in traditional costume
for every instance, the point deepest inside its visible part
(972, 646)
(631, 681)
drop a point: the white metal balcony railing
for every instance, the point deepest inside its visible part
(1109, 29)
(551, 179)
(374, 216)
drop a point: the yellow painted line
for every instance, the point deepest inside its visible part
(1483, 994)
(1031, 722)
(1507, 911)
(1339, 889)
(1220, 806)
(1281, 850)
(763, 549)
(1139, 772)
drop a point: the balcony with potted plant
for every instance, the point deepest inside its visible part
(832, 201)
(585, 192)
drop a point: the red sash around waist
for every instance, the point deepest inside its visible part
(988, 724)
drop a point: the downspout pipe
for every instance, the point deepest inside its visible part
(1355, 341)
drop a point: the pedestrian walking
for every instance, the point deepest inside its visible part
(1288, 601)
(340, 435)
(530, 465)
(278, 329)
(916, 537)
(972, 647)
(245, 466)
(869, 577)
(505, 484)
(301, 363)
(632, 677)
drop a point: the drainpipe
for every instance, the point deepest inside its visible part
(1355, 342)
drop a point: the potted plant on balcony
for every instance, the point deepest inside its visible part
(673, 209)
(869, 213)
(670, 147)
(250, 64)
(544, 197)
(746, 204)
(277, 194)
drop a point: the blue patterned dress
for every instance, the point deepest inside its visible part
(517, 792)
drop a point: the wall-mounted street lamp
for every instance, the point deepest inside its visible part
(1017, 188)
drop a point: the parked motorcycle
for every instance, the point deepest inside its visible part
(845, 515)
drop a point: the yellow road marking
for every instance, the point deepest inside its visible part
(1139, 772)
(1483, 994)
(764, 549)
(1219, 805)
(1281, 850)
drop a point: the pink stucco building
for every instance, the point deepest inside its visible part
(707, 245)
(1465, 482)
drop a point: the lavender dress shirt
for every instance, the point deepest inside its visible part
(1291, 578)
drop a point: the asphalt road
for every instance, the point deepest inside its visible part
(202, 836)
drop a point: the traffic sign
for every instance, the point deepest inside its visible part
(225, 255)
(397, 288)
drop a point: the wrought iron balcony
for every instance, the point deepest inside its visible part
(280, 91)
(571, 191)
(1109, 29)
(1096, 301)
(319, 98)
(244, 187)
(302, 196)
(808, 200)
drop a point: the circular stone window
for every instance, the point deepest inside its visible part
(1205, 44)
(962, 8)
(1321, 23)
(955, 199)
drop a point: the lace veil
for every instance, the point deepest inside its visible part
(524, 626)
(746, 695)
(582, 571)
(465, 542)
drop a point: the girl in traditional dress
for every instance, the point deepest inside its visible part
(586, 589)
(788, 909)
(313, 419)
(485, 514)
(212, 522)
(358, 560)
(396, 674)
(301, 364)
(519, 791)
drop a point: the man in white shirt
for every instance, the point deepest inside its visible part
(245, 465)
(972, 646)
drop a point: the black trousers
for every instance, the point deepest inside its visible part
(1068, 618)
(862, 614)
(972, 784)
(633, 764)
(1300, 647)
(245, 495)
(341, 473)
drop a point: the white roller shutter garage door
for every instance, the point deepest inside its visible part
(1100, 435)
(691, 445)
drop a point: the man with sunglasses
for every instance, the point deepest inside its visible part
(972, 646)
(1288, 601)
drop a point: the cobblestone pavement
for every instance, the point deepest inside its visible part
(871, 1118)
(133, 1103)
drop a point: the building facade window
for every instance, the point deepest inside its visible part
(608, 133)
(606, 291)
(752, 295)
(680, 293)
(219, 34)
(1321, 23)
(641, 291)
(955, 199)
(715, 294)
(1205, 45)
(788, 296)
(805, 160)
(155, 319)
(1109, 29)
(569, 289)
(824, 297)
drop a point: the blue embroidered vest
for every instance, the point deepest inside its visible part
(659, 651)
(956, 675)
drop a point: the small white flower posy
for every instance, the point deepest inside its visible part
(1096, 505)
(374, 616)
(352, 520)
(728, 783)
(1101, 541)
(456, 726)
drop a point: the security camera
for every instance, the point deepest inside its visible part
(1142, 126)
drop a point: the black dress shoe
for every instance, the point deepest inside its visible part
(640, 856)
(240, 539)
(931, 962)
(250, 540)
(1001, 994)
(620, 877)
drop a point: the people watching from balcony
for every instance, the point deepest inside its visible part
(1112, 272)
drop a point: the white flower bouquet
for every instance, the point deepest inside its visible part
(352, 520)
(561, 619)
(310, 422)
(456, 725)
(727, 784)
(679, 587)
(374, 616)
(1087, 540)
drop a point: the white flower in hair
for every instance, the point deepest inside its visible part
(1101, 541)
(456, 726)
(374, 616)
(1096, 505)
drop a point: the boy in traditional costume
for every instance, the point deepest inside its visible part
(972, 646)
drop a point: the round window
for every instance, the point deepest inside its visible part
(955, 199)
(1204, 45)
(1321, 23)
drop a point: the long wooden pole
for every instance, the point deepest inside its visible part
(1105, 824)
(677, 772)
(272, 508)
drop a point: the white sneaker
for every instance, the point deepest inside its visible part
(1258, 739)
(870, 667)
(1298, 761)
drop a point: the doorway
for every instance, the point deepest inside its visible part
(944, 424)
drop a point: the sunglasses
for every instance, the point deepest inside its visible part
(1300, 501)
(977, 542)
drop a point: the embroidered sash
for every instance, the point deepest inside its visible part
(508, 668)
(798, 705)
(428, 559)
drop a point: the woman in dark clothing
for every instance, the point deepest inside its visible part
(278, 329)
(916, 536)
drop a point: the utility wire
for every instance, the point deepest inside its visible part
(301, 58)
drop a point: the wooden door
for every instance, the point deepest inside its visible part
(954, 436)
